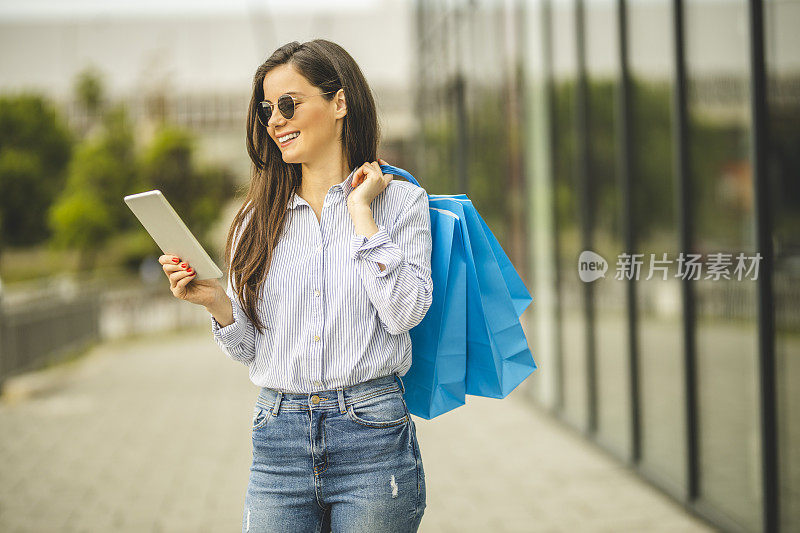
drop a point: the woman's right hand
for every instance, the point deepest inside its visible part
(183, 285)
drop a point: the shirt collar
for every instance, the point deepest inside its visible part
(345, 186)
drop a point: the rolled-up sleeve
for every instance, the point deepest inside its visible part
(237, 340)
(403, 292)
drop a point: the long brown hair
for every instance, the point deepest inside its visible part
(273, 182)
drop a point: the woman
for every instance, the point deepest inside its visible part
(330, 272)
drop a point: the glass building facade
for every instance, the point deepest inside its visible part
(664, 136)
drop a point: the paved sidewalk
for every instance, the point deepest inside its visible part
(153, 435)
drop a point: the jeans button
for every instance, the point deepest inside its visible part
(315, 399)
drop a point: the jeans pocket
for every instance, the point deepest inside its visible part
(382, 411)
(261, 416)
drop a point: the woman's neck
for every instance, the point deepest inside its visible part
(316, 180)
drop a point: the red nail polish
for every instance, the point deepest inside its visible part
(175, 259)
(183, 265)
(188, 270)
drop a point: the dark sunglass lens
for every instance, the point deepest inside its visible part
(286, 106)
(264, 112)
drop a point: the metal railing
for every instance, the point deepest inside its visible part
(46, 325)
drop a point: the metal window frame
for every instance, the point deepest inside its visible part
(689, 497)
(685, 239)
(586, 210)
(766, 308)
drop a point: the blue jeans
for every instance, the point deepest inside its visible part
(345, 460)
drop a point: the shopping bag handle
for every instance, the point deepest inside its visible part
(389, 169)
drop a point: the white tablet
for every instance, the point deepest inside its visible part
(170, 233)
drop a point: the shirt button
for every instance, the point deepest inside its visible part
(318, 384)
(316, 293)
(316, 338)
(319, 248)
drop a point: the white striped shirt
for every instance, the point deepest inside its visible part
(333, 318)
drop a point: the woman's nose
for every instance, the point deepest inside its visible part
(275, 118)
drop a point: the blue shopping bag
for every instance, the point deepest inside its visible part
(436, 381)
(498, 357)
(516, 287)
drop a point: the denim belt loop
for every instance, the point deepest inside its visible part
(276, 407)
(340, 394)
(402, 387)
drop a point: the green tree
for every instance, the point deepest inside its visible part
(119, 143)
(488, 161)
(35, 148)
(90, 95)
(196, 194)
(23, 193)
(89, 90)
(102, 172)
(82, 221)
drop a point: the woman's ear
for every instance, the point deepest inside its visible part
(341, 104)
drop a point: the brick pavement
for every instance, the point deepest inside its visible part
(152, 435)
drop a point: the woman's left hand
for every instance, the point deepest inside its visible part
(368, 181)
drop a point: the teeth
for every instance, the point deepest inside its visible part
(287, 137)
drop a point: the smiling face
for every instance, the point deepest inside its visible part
(315, 118)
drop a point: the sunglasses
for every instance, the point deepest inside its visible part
(286, 105)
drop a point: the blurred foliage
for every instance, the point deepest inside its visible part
(82, 221)
(70, 196)
(88, 90)
(196, 194)
(102, 171)
(439, 147)
(90, 97)
(713, 146)
(605, 176)
(565, 177)
(487, 158)
(35, 148)
(488, 161)
(716, 151)
(106, 168)
(654, 185)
